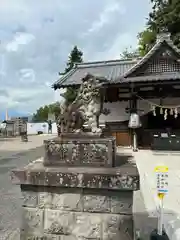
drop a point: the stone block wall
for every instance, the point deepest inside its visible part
(62, 213)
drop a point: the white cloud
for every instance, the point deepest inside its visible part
(19, 39)
(2, 66)
(27, 76)
(106, 15)
(37, 37)
(120, 43)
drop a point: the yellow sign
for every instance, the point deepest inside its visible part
(161, 195)
(161, 180)
(161, 169)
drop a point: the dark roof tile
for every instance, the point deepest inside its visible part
(110, 70)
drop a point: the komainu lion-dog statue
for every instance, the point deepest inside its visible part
(86, 108)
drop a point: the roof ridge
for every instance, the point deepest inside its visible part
(104, 63)
(166, 37)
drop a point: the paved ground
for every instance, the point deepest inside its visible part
(146, 161)
(14, 154)
(11, 145)
(144, 222)
(146, 214)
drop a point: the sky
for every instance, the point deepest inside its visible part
(36, 37)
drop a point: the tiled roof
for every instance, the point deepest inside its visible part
(164, 39)
(119, 71)
(110, 70)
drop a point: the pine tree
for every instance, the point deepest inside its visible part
(74, 57)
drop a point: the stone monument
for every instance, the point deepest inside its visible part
(76, 191)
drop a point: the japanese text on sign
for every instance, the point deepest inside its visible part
(162, 179)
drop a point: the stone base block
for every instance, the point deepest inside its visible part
(72, 213)
(73, 151)
(119, 178)
(77, 203)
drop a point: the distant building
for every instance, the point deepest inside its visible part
(25, 118)
(15, 125)
(10, 128)
(30, 118)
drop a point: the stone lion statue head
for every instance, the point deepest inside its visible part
(90, 87)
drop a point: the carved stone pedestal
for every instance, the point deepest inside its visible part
(69, 203)
(75, 150)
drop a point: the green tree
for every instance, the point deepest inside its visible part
(42, 113)
(74, 57)
(147, 39)
(163, 17)
(54, 108)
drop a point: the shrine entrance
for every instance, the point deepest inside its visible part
(160, 121)
(160, 130)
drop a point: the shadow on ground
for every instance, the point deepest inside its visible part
(123, 159)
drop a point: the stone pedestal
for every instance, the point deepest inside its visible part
(72, 150)
(69, 203)
(77, 192)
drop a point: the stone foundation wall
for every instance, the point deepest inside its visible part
(76, 213)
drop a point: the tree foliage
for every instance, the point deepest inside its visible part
(42, 113)
(129, 53)
(164, 17)
(147, 39)
(74, 57)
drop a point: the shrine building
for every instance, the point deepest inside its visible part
(148, 86)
